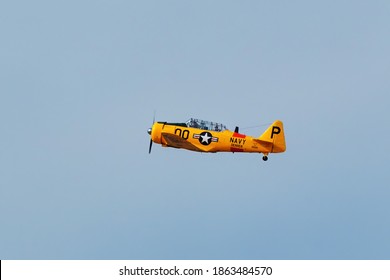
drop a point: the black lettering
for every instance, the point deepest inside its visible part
(185, 134)
(275, 130)
(179, 130)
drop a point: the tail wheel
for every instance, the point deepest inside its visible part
(265, 158)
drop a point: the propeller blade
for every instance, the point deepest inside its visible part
(150, 146)
(150, 132)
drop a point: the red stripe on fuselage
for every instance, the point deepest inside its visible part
(238, 150)
(238, 135)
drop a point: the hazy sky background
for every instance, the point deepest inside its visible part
(79, 81)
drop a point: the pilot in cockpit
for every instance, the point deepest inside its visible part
(194, 123)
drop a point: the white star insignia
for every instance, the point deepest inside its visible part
(205, 138)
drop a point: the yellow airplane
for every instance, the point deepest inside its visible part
(211, 137)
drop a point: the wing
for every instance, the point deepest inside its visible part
(176, 141)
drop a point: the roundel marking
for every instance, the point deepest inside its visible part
(205, 138)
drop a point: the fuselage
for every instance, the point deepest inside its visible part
(200, 140)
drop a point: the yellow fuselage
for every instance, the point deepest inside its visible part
(200, 140)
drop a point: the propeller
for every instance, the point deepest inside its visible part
(150, 133)
(150, 146)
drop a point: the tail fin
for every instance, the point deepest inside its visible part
(275, 135)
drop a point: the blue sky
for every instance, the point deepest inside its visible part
(80, 80)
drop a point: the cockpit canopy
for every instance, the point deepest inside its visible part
(206, 125)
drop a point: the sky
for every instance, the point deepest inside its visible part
(80, 82)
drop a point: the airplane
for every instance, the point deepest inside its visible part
(211, 137)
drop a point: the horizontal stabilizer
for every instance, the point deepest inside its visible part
(262, 142)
